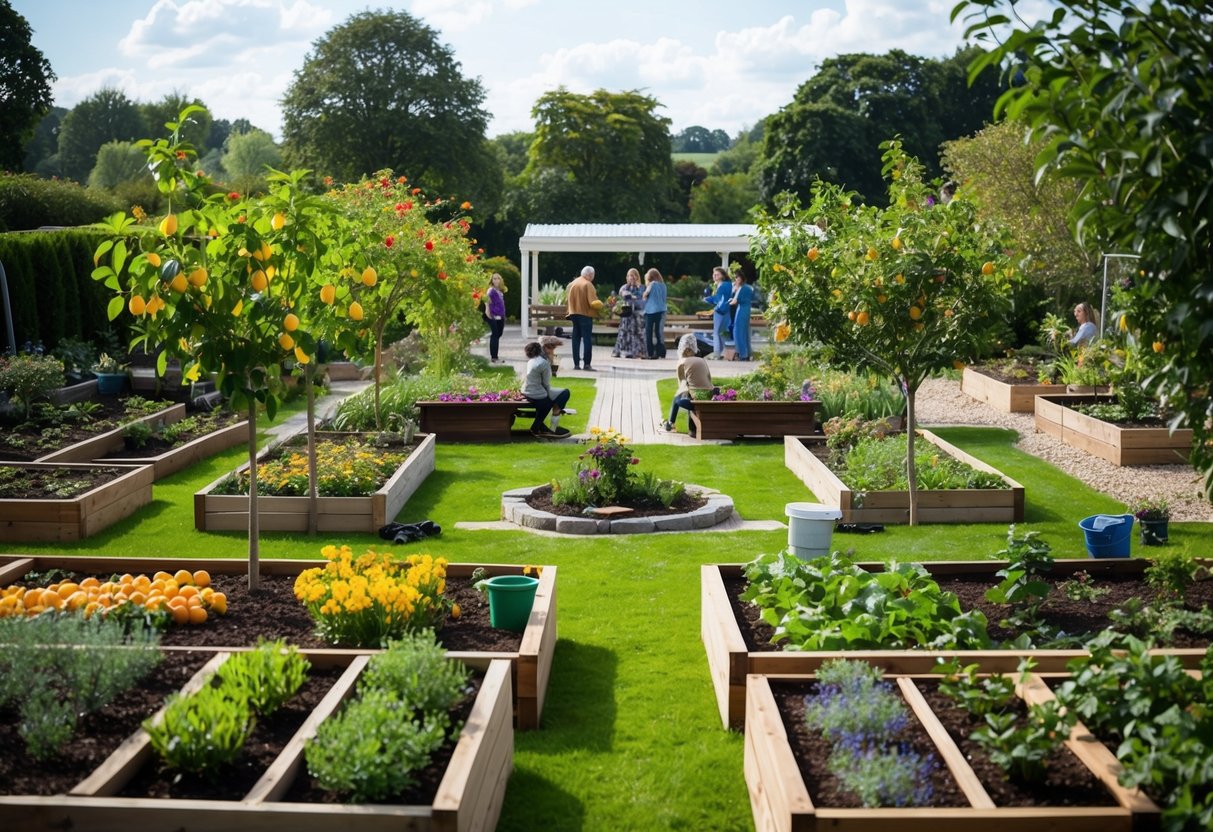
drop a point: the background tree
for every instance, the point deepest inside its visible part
(247, 158)
(1121, 93)
(25, 86)
(688, 175)
(742, 153)
(839, 117)
(906, 290)
(118, 163)
(379, 91)
(724, 198)
(997, 170)
(608, 152)
(196, 131)
(697, 139)
(107, 115)
(42, 150)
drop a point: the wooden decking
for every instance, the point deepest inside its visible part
(627, 401)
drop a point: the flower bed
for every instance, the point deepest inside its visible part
(780, 795)
(229, 512)
(1008, 397)
(470, 794)
(477, 421)
(1120, 445)
(531, 658)
(964, 505)
(78, 517)
(731, 419)
(730, 659)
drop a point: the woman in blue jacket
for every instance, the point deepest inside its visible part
(720, 309)
(743, 296)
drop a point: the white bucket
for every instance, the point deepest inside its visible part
(810, 528)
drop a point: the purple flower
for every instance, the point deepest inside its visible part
(595, 474)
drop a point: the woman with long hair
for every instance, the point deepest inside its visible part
(654, 314)
(630, 340)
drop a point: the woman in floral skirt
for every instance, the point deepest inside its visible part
(630, 340)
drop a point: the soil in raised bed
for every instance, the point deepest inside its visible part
(97, 735)
(156, 445)
(1067, 781)
(1076, 617)
(27, 441)
(54, 483)
(1012, 372)
(541, 500)
(811, 751)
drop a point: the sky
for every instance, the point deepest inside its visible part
(721, 64)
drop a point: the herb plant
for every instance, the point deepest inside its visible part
(1029, 559)
(1081, 588)
(417, 669)
(269, 674)
(1022, 748)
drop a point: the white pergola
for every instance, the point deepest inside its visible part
(631, 237)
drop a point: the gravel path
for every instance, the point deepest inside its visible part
(941, 403)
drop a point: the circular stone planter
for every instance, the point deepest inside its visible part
(718, 509)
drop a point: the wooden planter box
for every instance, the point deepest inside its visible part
(1009, 398)
(470, 795)
(962, 505)
(532, 662)
(728, 420)
(729, 661)
(101, 444)
(1118, 445)
(781, 800)
(74, 518)
(169, 462)
(469, 421)
(81, 391)
(229, 512)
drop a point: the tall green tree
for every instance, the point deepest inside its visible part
(699, 139)
(42, 150)
(248, 156)
(839, 117)
(724, 198)
(380, 91)
(118, 162)
(25, 86)
(196, 130)
(602, 156)
(1121, 94)
(105, 116)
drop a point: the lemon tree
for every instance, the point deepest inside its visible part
(409, 256)
(216, 285)
(906, 290)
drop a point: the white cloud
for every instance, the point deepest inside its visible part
(452, 15)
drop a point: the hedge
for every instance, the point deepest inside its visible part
(28, 202)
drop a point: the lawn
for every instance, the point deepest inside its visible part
(631, 736)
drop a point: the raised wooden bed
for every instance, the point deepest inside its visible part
(1118, 445)
(532, 662)
(164, 464)
(81, 391)
(229, 512)
(781, 800)
(729, 661)
(470, 795)
(1009, 398)
(74, 518)
(962, 505)
(97, 446)
(728, 420)
(470, 421)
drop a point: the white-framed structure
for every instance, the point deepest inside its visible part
(640, 238)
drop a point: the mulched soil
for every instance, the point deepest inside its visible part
(1017, 372)
(1067, 781)
(26, 442)
(811, 751)
(541, 500)
(58, 483)
(1077, 617)
(156, 445)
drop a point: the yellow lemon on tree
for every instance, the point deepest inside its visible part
(137, 305)
(369, 276)
(291, 322)
(813, 254)
(899, 279)
(179, 283)
(915, 313)
(862, 318)
(154, 259)
(270, 271)
(286, 341)
(328, 293)
(851, 315)
(278, 221)
(896, 243)
(168, 225)
(198, 276)
(881, 298)
(1159, 346)
(266, 251)
(259, 281)
(237, 309)
(355, 311)
(987, 268)
(871, 253)
(301, 356)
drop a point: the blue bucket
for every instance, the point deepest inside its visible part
(1108, 535)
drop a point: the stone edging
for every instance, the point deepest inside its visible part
(718, 509)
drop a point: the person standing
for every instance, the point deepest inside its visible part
(1084, 313)
(630, 340)
(495, 315)
(538, 390)
(720, 309)
(583, 303)
(743, 297)
(693, 376)
(654, 314)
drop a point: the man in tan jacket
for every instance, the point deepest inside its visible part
(583, 304)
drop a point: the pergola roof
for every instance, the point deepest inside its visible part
(680, 237)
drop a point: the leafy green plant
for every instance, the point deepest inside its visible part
(1170, 575)
(1029, 558)
(1081, 588)
(268, 675)
(138, 434)
(416, 668)
(552, 294)
(977, 695)
(203, 732)
(878, 463)
(30, 378)
(1022, 748)
(829, 603)
(604, 476)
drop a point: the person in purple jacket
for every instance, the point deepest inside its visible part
(494, 314)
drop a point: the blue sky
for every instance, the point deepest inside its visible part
(714, 63)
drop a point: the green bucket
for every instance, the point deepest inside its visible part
(510, 600)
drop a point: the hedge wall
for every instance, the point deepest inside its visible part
(51, 289)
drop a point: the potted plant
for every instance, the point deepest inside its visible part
(1153, 514)
(110, 373)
